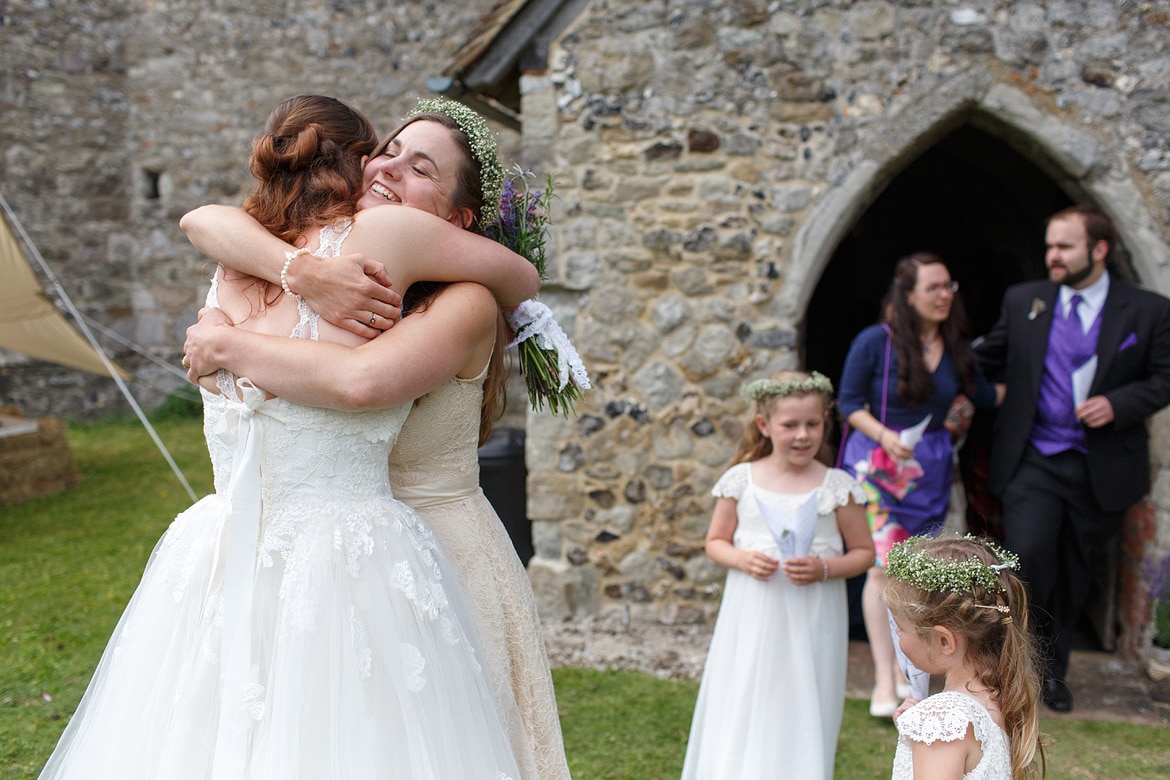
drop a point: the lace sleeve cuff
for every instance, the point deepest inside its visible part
(939, 717)
(836, 490)
(733, 482)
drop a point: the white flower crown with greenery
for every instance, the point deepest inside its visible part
(815, 382)
(914, 567)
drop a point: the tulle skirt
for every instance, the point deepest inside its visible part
(773, 688)
(358, 667)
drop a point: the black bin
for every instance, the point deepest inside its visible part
(502, 476)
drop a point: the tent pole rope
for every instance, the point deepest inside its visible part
(80, 323)
(113, 335)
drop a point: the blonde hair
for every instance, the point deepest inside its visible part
(754, 444)
(999, 647)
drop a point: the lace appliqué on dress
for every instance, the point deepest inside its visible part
(733, 482)
(413, 665)
(946, 716)
(836, 490)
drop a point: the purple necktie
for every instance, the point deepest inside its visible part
(1075, 315)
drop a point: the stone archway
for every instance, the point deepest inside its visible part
(972, 199)
(973, 180)
(1082, 167)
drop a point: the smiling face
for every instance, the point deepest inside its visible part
(1071, 258)
(933, 293)
(796, 427)
(419, 168)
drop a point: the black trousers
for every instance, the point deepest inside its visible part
(1053, 522)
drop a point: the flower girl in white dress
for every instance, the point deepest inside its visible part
(790, 529)
(961, 612)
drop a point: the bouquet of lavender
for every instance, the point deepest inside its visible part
(552, 369)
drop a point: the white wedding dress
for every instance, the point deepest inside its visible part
(298, 624)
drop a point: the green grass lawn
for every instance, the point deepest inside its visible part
(68, 564)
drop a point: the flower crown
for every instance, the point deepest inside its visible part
(483, 148)
(919, 570)
(815, 382)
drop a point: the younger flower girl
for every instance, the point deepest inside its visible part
(962, 612)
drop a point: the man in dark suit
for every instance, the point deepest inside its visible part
(1086, 359)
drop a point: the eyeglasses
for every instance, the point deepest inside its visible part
(935, 289)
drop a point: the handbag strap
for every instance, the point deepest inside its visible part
(886, 373)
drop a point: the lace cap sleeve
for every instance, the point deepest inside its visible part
(733, 482)
(945, 716)
(836, 490)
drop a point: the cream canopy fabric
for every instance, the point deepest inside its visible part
(30, 323)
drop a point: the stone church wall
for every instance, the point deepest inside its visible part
(711, 155)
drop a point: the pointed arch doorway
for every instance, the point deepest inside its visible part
(982, 205)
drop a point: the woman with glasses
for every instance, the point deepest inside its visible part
(908, 368)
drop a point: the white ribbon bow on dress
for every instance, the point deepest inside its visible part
(239, 704)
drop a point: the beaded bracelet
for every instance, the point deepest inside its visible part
(288, 258)
(825, 568)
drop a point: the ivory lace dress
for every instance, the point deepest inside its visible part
(947, 716)
(773, 688)
(298, 624)
(435, 468)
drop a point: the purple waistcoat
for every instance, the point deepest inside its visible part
(1056, 428)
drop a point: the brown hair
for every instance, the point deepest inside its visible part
(999, 648)
(468, 193)
(307, 164)
(1098, 226)
(308, 171)
(755, 445)
(914, 381)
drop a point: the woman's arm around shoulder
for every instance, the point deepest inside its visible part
(416, 356)
(347, 291)
(427, 248)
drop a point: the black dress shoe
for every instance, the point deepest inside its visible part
(1057, 695)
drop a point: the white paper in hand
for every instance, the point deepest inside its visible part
(912, 435)
(918, 680)
(1082, 380)
(793, 531)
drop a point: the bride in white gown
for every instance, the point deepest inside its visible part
(300, 622)
(450, 346)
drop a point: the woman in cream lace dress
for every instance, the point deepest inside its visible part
(449, 348)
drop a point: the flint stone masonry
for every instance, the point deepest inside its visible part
(709, 156)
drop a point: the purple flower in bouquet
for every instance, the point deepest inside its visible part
(552, 370)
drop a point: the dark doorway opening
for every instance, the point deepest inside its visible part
(979, 203)
(971, 198)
